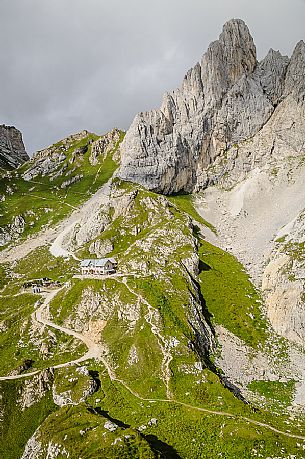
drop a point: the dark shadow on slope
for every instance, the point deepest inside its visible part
(26, 365)
(206, 313)
(197, 232)
(97, 410)
(164, 450)
(203, 267)
(201, 344)
(95, 376)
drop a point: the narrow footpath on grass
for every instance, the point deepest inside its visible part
(95, 351)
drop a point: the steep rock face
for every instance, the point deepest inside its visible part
(295, 83)
(12, 151)
(36, 388)
(271, 72)
(104, 145)
(280, 139)
(211, 127)
(284, 281)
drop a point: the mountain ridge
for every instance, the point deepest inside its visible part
(225, 101)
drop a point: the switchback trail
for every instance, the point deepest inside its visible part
(95, 351)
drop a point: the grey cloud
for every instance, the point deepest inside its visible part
(68, 65)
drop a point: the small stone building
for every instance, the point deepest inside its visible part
(98, 266)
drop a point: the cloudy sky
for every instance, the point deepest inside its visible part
(68, 65)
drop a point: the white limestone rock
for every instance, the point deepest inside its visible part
(230, 115)
(271, 72)
(284, 282)
(295, 81)
(101, 248)
(103, 146)
(35, 388)
(12, 150)
(33, 448)
(12, 231)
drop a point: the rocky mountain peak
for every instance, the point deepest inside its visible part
(239, 47)
(227, 59)
(295, 81)
(225, 99)
(271, 72)
(12, 150)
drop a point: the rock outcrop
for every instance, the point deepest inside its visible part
(12, 150)
(74, 387)
(104, 145)
(230, 114)
(52, 160)
(35, 388)
(12, 231)
(284, 282)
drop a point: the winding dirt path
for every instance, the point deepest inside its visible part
(212, 412)
(151, 318)
(95, 351)
(55, 236)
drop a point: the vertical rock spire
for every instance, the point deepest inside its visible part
(12, 151)
(226, 98)
(227, 59)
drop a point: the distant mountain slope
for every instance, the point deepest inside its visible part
(12, 151)
(230, 115)
(55, 181)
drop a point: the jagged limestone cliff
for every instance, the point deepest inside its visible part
(230, 114)
(12, 151)
(236, 124)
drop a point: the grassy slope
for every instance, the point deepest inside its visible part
(185, 203)
(18, 426)
(226, 288)
(43, 202)
(230, 296)
(18, 340)
(180, 431)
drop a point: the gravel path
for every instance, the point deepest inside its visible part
(55, 236)
(94, 349)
